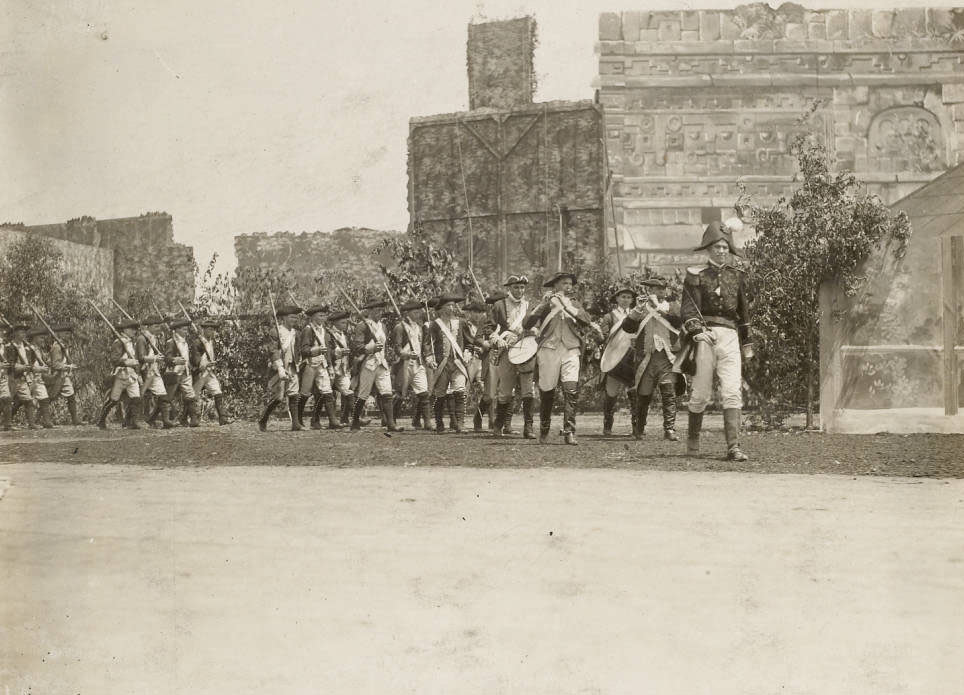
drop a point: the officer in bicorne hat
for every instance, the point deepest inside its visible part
(558, 318)
(716, 320)
(409, 368)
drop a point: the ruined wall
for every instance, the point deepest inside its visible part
(499, 56)
(309, 254)
(146, 258)
(697, 102)
(506, 172)
(90, 266)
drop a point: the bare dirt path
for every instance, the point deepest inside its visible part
(404, 579)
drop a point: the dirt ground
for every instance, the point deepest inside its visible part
(496, 579)
(917, 455)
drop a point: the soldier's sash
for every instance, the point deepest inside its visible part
(459, 362)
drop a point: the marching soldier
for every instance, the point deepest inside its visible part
(512, 380)
(409, 369)
(6, 402)
(125, 379)
(340, 359)
(560, 349)
(42, 369)
(716, 322)
(368, 343)
(23, 372)
(283, 369)
(62, 385)
(153, 362)
(655, 331)
(445, 353)
(203, 361)
(317, 371)
(177, 351)
(615, 380)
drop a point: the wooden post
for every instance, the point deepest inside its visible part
(831, 362)
(952, 250)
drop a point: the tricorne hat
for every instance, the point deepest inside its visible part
(338, 315)
(476, 306)
(317, 309)
(623, 290)
(557, 277)
(411, 305)
(448, 299)
(493, 298)
(209, 323)
(375, 304)
(35, 331)
(179, 323)
(129, 323)
(288, 310)
(515, 280)
(713, 233)
(653, 282)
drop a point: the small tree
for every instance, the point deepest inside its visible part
(824, 231)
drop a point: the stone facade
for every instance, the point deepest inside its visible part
(698, 103)
(92, 266)
(307, 255)
(146, 257)
(511, 189)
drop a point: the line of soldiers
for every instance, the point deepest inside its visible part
(500, 351)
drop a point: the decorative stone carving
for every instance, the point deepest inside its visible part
(905, 138)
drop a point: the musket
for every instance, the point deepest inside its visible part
(47, 326)
(112, 328)
(188, 317)
(121, 309)
(394, 303)
(159, 313)
(5, 322)
(478, 288)
(291, 296)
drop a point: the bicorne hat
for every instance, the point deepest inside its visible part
(713, 233)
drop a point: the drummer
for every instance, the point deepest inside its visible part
(514, 378)
(656, 327)
(618, 358)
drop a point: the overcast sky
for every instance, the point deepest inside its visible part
(256, 116)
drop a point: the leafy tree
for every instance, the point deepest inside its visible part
(822, 232)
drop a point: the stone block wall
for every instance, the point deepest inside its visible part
(307, 255)
(146, 257)
(91, 266)
(699, 102)
(500, 63)
(500, 188)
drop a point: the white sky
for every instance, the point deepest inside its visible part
(255, 116)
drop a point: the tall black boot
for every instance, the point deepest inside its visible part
(498, 428)
(45, 420)
(527, 432)
(693, 434)
(480, 408)
(164, 410)
(30, 411)
(425, 406)
(731, 427)
(570, 395)
(294, 403)
(134, 410)
(609, 410)
(150, 408)
(14, 407)
(219, 409)
(300, 410)
(185, 412)
(507, 427)
(396, 408)
(6, 414)
(347, 403)
(328, 401)
(667, 393)
(387, 402)
(104, 412)
(72, 410)
(194, 416)
(266, 414)
(316, 412)
(450, 405)
(440, 415)
(458, 407)
(358, 407)
(546, 399)
(642, 412)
